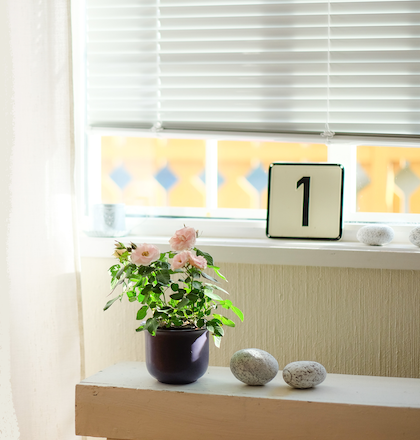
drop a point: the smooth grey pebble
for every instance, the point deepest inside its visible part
(254, 366)
(304, 374)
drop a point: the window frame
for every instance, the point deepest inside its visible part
(340, 150)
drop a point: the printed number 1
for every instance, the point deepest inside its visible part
(306, 183)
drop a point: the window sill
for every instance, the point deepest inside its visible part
(341, 253)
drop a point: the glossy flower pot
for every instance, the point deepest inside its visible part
(177, 356)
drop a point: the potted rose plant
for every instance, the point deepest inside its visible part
(178, 303)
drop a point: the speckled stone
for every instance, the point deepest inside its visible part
(254, 366)
(375, 235)
(414, 236)
(304, 374)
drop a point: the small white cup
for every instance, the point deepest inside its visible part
(109, 219)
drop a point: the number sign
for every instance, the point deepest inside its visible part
(305, 200)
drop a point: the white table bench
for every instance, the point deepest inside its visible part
(124, 402)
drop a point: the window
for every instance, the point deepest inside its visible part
(200, 80)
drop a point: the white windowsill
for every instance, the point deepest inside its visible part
(341, 253)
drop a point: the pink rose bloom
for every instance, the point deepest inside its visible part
(183, 239)
(180, 260)
(145, 254)
(197, 261)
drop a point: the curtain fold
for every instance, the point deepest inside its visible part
(41, 258)
(8, 423)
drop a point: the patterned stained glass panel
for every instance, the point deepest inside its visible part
(391, 179)
(244, 167)
(153, 172)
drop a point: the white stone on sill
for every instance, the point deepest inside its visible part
(414, 236)
(375, 235)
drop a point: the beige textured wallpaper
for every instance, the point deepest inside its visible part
(353, 321)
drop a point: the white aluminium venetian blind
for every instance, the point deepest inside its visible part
(255, 65)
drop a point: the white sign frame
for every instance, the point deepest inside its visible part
(305, 201)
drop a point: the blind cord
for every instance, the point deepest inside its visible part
(157, 126)
(327, 133)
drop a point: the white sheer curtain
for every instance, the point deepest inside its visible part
(40, 341)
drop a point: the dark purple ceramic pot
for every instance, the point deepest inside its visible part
(177, 356)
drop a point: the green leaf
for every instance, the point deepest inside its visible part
(162, 256)
(175, 287)
(210, 328)
(217, 287)
(113, 270)
(196, 284)
(217, 340)
(207, 256)
(145, 270)
(192, 297)
(216, 269)
(109, 303)
(218, 331)
(120, 272)
(200, 322)
(171, 271)
(163, 277)
(141, 328)
(177, 296)
(131, 294)
(163, 265)
(226, 303)
(152, 325)
(209, 292)
(114, 283)
(207, 276)
(146, 289)
(141, 314)
(177, 322)
(237, 312)
(182, 303)
(227, 321)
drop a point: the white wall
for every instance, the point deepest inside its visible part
(353, 321)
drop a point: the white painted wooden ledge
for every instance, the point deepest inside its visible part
(124, 402)
(281, 252)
